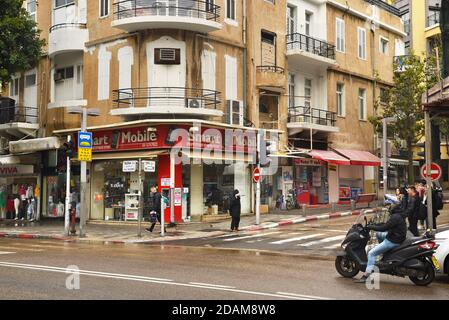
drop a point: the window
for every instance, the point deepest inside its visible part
(291, 91)
(235, 112)
(14, 87)
(30, 80)
(291, 18)
(308, 23)
(362, 104)
(210, 5)
(64, 73)
(104, 8)
(60, 3)
(383, 45)
(79, 74)
(361, 40)
(31, 8)
(340, 35)
(341, 110)
(104, 63)
(383, 97)
(230, 9)
(307, 92)
(231, 78)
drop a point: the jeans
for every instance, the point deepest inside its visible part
(383, 246)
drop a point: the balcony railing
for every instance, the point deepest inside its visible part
(433, 18)
(166, 97)
(273, 69)
(312, 115)
(18, 114)
(309, 44)
(68, 25)
(384, 5)
(172, 8)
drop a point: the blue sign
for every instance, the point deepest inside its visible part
(85, 140)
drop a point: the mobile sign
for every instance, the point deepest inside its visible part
(435, 172)
(85, 146)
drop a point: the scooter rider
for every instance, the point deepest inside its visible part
(390, 235)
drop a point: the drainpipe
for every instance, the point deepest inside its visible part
(374, 60)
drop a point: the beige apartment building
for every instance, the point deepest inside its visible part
(297, 68)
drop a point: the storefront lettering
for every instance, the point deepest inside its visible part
(128, 137)
(16, 170)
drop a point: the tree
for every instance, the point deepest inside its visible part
(20, 45)
(403, 101)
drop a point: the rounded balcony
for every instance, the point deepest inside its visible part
(193, 15)
(182, 102)
(67, 37)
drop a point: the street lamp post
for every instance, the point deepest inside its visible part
(83, 176)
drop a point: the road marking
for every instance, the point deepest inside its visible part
(302, 296)
(155, 280)
(6, 252)
(211, 285)
(333, 246)
(297, 238)
(253, 236)
(325, 240)
(21, 249)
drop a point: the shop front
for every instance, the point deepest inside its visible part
(205, 176)
(20, 187)
(310, 181)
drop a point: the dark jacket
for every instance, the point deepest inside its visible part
(156, 199)
(411, 211)
(235, 207)
(396, 227)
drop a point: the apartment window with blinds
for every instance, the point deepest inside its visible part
(230, 9)
(362, 104)
(61, 3)
(31, 8)
(341, 112)
(104, 8)
(308, 19)
(291, 20)
(361, 40)
(340, 35)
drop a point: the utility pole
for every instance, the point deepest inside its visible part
(259, 147)
(384, 151)
(67, 194)
(139, 233)
(427, 123)
(83, 182)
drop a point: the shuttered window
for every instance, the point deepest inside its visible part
(231, 78)
(104, 59)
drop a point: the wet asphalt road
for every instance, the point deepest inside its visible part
(32, 269)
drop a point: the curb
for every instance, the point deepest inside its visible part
(267, 225)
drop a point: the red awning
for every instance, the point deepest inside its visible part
(360, 158)
(329, 156)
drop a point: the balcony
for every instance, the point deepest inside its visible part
(307, 118)
(433, 19)
(384, 5)
(271, 78)
(400, 63)
(67, 37)
(193, 15)
(184, 102)
(303, 49)
(18, 121)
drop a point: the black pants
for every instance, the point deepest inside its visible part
(434, 220)
(154, 223)
(413, 226)
(235, 222)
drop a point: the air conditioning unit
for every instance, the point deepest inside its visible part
(168, 56)
(194, 103)
(58, 76)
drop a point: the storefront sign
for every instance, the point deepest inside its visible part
(149, 166)
(129, 166)
(178, 197)
(308, 162)
(345, 192)
(165, 182)
(16, 170)
(85, 146)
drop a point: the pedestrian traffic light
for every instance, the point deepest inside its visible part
(68, 148)
(265, 152)
(421, 146)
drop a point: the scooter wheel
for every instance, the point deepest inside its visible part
(346, 267)
(425, 279)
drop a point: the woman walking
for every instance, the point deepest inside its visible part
(235, 210)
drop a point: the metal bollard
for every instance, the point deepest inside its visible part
(333, 207)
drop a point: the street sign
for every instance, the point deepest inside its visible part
(85, 146)
(130, 166)
(256, 175)
(435, 174)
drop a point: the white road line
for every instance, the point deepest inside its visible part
(325, 240)
(211, 285)
(154, 280)
(297, 238)
(253, 236)
(333, 246)
(6, 252)
(302, 296)
(20, 248)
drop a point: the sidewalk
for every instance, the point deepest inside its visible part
(126, 233)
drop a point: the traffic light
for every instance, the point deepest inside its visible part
(68, 148)
(421, 146)
(265, 152)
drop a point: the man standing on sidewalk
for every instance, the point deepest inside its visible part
(155, 205)
(235, 210)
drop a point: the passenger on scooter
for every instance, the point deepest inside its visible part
(390, 235)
